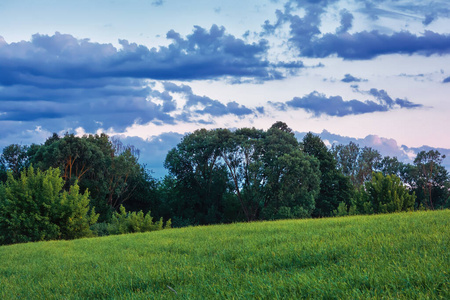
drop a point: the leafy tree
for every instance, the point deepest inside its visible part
(108, 170)
(391, 166)
(201, 181)
(35, 207)
(291, 177)
(13, 158)
(431, 178)
(357, 163)
(387, 194)
(298, 187)
(334, 186)
(214, 169)
(145, 196)
(241, 152)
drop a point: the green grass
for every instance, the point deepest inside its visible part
(385, 256)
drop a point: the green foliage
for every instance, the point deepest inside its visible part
(263, 172)
(106, 168)
(385, 194)
(14, 158)
(298, 187)
(334, 186)
(362, 203)
(199, 182)
(35, 207)
(431, 179)
(342, 210)
(128, 222)
(394, 256)
(357, 163)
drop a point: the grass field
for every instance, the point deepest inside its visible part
(384, 256)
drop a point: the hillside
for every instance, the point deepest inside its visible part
(403, 255)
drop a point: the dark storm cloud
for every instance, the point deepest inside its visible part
(319, 104)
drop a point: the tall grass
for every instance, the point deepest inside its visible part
(384, 256)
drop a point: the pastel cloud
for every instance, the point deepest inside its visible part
(319, 104)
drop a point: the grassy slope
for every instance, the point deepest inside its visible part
(395, 256)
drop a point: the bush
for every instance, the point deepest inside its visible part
(129, 222)
(387, 194)
(34, 207)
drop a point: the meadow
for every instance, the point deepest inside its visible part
(402, 256)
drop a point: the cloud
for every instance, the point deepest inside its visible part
(61, 82)
(111, 106)
(204, 105)
(158, 2)
(346, 21)
(203, 54)
(367, 45)
(446, 80)
(107, 107)
(306, 36)
(386, 146)
(428, 10)
(350, 78)
(319, 104)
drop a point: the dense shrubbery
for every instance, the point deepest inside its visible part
(382, 194)
(129, 222)
(35, 207)
(215, 176)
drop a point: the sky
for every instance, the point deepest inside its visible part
(376, 72)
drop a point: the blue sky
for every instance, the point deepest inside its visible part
(373, 71)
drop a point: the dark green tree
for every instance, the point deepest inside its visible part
(96, 164)
(286, 167)
(431, 179)
(13, 158)
(201, 180)
(356, 163)
(335, 188)
(241, 152)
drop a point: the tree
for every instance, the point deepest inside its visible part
(108, 170)
(201, 180)
(14, 158)
(241, 152)
(291, 177)
(357, 163)
(335, 188)
(431, 178)
(298, 187)
(265, 173)
(387, 194)
(35, 207)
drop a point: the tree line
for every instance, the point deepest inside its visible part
(215, 176)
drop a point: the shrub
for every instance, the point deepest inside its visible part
(34, 207)
(129, 222)
(388, 194)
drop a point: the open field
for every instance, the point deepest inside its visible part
(394, 256)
